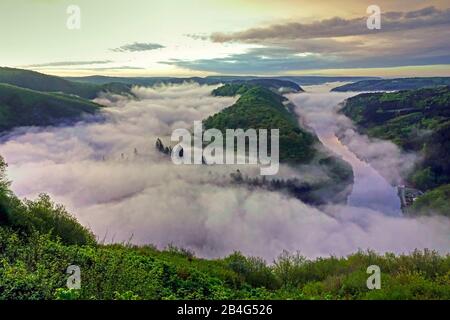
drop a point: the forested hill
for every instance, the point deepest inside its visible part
(25, 107)
(417, 120)
(394, 84)
(261, 108)
(47, 83)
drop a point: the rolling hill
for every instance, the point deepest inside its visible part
(47, 83)
(25, 107)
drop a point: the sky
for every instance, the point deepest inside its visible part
(203, 37)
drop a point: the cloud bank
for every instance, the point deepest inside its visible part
(110, 176)
(335, 43)
(340, 27)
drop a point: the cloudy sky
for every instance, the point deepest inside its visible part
(202, 37)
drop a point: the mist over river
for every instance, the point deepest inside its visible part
(370, 189)
(109, 175)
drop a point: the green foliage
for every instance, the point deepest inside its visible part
(66, 294)
(40, 240)
(424, 178)
(436, 201)
(33, 267)
(41, 215)
(38, 244)
(24, 107)
(239, 87)
(260, 108)
(46, 83)
(232, 89)
(252, 271)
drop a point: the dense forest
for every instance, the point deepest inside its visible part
(416, 120)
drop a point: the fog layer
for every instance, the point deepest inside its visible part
(110, 176)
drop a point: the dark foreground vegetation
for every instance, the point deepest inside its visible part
(418, 121)
(39, 240)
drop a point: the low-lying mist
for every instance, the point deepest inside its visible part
(110, 176)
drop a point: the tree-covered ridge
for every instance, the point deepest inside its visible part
(25, 107)
(232, 89)
(47, 83)
(240, 87)
(394, 84)
(417, 120)
(260, 108)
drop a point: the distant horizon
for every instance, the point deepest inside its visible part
(65, 74)
(403, 38)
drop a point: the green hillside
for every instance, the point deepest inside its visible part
(24, 107)
(39, 240)
(240, 87)
(261, 108)
(434, 201)
(416, 120)
(46, 83)
(394, 84)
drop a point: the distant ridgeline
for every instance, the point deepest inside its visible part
(212, 80)
(261, 108)
(415, 120)
(46, 83)
(394, 84)
(25, 107)
(29, 98)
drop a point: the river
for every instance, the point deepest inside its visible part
(317, 110)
